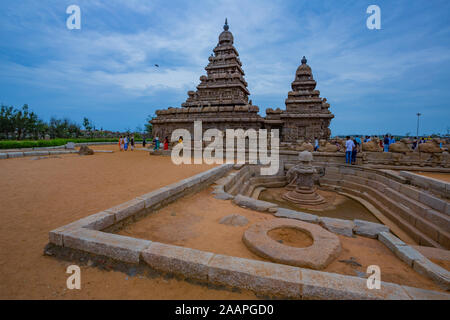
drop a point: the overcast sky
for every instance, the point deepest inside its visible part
(375, 80)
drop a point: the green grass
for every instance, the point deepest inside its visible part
(15, 144)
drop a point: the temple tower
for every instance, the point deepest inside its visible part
(224, 84)
(307, 115)
(221, 99)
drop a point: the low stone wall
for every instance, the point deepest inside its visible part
(11, 155)
(88, 236)
(436, 186)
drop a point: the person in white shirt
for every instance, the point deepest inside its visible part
(349, 145)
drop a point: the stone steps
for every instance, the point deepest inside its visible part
(431, 222)
(401, 215)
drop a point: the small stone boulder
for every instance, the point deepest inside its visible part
(223, 196)
(254, 204)
(85, 151)
(369, 229)
(297, 215)
(339, 226)
(234, 220)
(70, 145)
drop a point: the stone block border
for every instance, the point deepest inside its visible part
(88, 235)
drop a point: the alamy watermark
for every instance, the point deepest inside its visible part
(374, 279)
(213, 153)
(374, 20)
(74, 280)
(74, 20)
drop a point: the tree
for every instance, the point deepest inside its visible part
(148, 125)
(87, 125)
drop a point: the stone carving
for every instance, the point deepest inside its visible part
(301, 182)
(221, 101)
(372, 146)
(85, 151)
(325, 146)
(431, 146)
(401, 146)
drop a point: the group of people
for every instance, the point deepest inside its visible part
(165, 143)
(351, 149)
(125, 141)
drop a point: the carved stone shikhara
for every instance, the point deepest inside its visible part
(221, 101)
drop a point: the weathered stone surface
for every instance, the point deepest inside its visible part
(253, 204)
(325, 248)
(85, 151)
(117, 247)
(339, 226)
(297, 215)
(35, 153)
(432, 201)
(238, 166)
(154, 197)
(234, 220)
(3, 156)
(368, 229)
(15, 154)
(189, 263)
(262, 277)
(97, 221)
(223, 196)
(408, 254)
(127, 209)
(390, 241)
(429, 269)
(421, 294)
(332, 286)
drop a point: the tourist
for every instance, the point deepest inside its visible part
(358, 140)
(392, 140)
(166, 143)
(144, 142)
(349, 144)
(156, 144)
(132, 142)
(386, 142)
(120, 143)
(125, 143)
(316, 144)
(355, 150)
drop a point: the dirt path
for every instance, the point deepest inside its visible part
(38, 195)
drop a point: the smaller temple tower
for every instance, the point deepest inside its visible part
(306, 115)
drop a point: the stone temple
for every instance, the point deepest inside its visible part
(221, 101)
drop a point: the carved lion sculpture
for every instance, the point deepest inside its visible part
(325, 146)
(400, 147)
(305, 146)
(372, 146)
(430, 146)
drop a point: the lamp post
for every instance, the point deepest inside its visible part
(418, 117)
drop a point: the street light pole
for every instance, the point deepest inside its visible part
(418, 116)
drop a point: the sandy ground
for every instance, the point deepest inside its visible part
(440, 176)
(38, 195)
(194, 223)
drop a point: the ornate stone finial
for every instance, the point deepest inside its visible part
(226, 27)
(304, 61)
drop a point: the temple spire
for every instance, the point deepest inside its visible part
(226, 27)
(304, 61)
